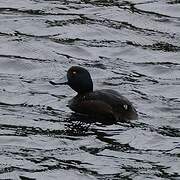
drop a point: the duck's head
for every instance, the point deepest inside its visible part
(79, 79)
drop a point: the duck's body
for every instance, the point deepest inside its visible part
(106, 103)
(102, 103)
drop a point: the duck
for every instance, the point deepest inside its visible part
(105, 103)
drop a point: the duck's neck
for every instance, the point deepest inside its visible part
(84, 93)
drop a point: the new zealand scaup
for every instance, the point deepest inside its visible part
(101, 103)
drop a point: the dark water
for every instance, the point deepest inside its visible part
(129, 46)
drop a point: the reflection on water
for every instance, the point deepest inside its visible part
(129, 46)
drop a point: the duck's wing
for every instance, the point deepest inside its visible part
(111, 97)
(119, 104)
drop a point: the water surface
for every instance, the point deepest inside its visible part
(129, 46)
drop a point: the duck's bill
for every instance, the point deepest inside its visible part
(57, 83)
(63, 81)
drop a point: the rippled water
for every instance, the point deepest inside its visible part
(129, 46)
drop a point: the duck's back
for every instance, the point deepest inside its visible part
(104, 102)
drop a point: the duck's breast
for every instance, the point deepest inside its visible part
(90, 106)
